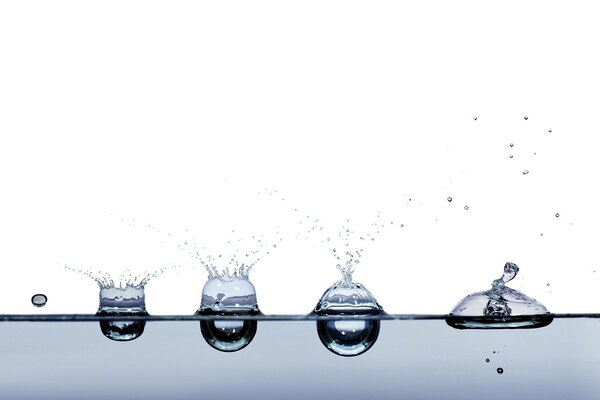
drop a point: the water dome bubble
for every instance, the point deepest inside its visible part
(499, 307)
(120, 302)
(557, 215)
(230, 296)
(39, 300)
(348, 336)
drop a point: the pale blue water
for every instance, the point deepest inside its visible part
(424, 358)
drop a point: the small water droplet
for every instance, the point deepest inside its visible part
(557, 215)
(487, 360)
(39, 300)
(466, 207)
(449, 199)
(500, 371)
(526, 117)
(525, 172)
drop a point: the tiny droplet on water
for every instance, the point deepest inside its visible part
(526, 117)
(39, 300)
(557, 215)
(525, 172)
(449, 199)
(500, 371)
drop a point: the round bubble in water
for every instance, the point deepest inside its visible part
(228, 335)
(511, 156)
(526, 117)
(487, 360)
(449, 199)
(466, 207)
(557, 215)
(122, 330)
(119, 303)
(348, 337)
(227, 295)
(39, 300)
(500, 370)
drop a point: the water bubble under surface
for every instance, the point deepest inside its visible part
(500, 370)
(228, 295)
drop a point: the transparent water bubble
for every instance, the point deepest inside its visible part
(39, 300)
(228, 335)
(449, 199)
(228, 296)
(120, 302)
(122, 330)
(348, 336)
(487, 360)
(500, 307)
(500, 370)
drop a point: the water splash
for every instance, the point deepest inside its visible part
(499, 307)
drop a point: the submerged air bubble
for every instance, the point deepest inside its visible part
(228, 296)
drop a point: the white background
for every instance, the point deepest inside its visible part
(176, 114)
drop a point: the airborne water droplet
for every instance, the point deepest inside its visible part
(557, 215)
(500, 371)
(487, 360)
(39, 300)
